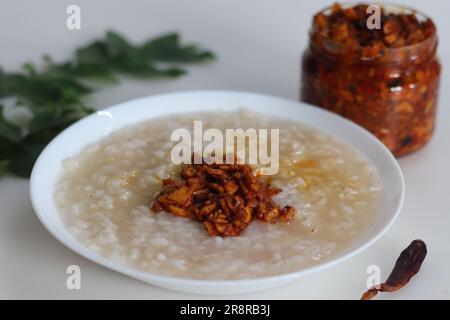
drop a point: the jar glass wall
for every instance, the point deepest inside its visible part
(391, 91)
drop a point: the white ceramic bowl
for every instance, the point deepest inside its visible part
(93, 128)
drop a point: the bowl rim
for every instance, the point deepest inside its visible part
(89, 254)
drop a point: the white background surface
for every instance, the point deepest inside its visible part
(258, 43)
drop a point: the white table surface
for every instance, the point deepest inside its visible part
(258, 45)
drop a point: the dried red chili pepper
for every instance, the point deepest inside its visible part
(407, 266)
(386, 80)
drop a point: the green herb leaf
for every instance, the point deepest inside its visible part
(54, 95)
(116, 45)
(98, 72)
(168, 48)
(44, 88)
(8, 130)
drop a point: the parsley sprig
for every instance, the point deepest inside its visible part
(53, 96)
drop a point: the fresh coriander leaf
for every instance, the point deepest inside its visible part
(3, 91)
(116, 45)
(57, 118)
(42, 88)
(98, 72)
(93, 54)
(169, 49)
(22, 155)
(29, 68)
(3, 167)
(54, 94)
(136, 64)
(8, 130)
(21, 162)
(47, 119)
(22, 165)
(9, 152)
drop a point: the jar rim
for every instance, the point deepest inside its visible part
(393, 54)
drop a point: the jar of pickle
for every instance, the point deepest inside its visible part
(385, 77)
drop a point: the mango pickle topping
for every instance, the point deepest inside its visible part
(226, 198)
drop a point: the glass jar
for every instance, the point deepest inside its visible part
(392, 92)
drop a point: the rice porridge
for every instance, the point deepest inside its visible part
(105, 193)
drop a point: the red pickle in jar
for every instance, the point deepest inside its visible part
(386, 80)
